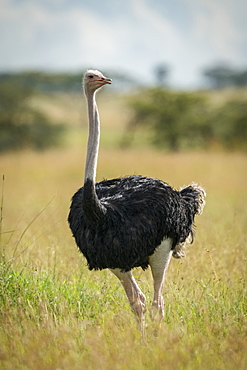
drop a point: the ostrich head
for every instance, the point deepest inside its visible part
(93, 80)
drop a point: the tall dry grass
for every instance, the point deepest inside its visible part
(55, 314)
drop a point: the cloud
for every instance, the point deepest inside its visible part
(214, 26)
(33, 35)
(134, 36)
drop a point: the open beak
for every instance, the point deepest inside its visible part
(108, 80)
(103, 81)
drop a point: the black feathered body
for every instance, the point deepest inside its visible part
(133, 215)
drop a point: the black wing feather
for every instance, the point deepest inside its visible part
(139, 213)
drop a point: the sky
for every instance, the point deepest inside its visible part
(129, 36)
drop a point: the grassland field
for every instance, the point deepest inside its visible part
(55, 314)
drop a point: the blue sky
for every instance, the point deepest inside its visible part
(131, 36)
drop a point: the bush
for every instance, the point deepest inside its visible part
(22, 126)
(182, 120)
(177, 119)
(230, 128)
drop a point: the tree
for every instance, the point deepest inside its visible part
(180, 120)
(161, 73)
(230, 126)
(20, 125)
(222, 76)
(177, 119)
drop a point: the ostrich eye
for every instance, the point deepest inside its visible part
(91, 76)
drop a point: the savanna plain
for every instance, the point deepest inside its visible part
(55, 314)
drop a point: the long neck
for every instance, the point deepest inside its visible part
(92, 207)
(93, 139)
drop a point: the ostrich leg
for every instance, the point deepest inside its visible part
(159, 263)
(135, 296)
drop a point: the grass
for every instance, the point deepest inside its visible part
(55, 314)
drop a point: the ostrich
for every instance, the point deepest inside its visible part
(130, 222)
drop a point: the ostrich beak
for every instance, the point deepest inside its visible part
(103, 81)
(108, 80)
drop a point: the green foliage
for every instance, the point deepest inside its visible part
(22, 126)
(177, 119)
(230, 124)
(182, 120)
(44, 81)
